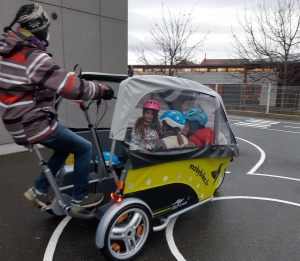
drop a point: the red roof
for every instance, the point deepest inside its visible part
(185, 63)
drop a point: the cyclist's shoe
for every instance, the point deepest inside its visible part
(88, 201)
(32, 195)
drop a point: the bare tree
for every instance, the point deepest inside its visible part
(172, 43)
(271, 41)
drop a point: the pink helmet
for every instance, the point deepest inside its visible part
(151, 104)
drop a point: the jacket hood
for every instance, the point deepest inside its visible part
(10, 43)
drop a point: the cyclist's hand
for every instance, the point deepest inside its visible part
(107, 93)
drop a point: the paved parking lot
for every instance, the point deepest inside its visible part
(254, 216)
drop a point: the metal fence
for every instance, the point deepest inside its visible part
(256, 98)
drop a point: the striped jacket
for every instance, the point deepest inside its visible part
(29, 80)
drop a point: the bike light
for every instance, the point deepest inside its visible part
(120, 184)
(115, 197)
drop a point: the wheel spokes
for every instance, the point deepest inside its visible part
(136, 220)
(130, 244)
(117, 233)
(133, 242)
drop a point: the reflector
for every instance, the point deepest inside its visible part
(115, 197)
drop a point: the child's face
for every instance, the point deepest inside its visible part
(148, 116)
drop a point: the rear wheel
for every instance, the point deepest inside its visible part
(127, 233)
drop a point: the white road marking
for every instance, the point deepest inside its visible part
(290, 122)
(246, 124)
(262, 121)
(291, 127)
(254, 127)
(262, 156)
(171, 242)
(274, 176)
(254, 119)
(261, 160)
(259, 125)
(253, 123)
(250, 124)
(237, 117)
(170, 238)
(285, 131)
(54, 239)
(258, 198)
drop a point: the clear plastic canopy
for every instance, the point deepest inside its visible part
(172, 94)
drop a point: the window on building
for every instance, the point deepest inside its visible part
(256, 70)
(138, 70)
(268, 70)
(262, 70)
(183, 69)
(235, 69)
(158, 70)
(212, 70)
(199, 70)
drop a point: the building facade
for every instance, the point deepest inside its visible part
(92, 33)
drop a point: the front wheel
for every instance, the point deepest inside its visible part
(127, 233)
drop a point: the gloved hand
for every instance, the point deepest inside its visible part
(107, 93)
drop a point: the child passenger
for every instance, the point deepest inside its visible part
(197, 133)
(145, 132)
(172, 124)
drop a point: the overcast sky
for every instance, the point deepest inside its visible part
(216, 16)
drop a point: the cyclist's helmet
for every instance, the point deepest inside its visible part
(151, 104)
(196, 115)
(173, 118)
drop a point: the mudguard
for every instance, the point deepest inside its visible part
(109, 214)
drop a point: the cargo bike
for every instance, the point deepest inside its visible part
(145, 188)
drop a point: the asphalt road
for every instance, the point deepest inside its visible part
(252, 218)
